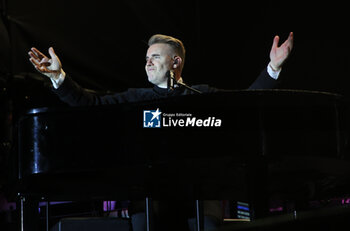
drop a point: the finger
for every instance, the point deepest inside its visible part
(46, 64)
(291, 36)
(54, 58)
(52, 53)
(276, 39)
(38, 53)
(34, 62)
(288, 44)
(37, 67)
(43, 69)
(291, 40)
(33, 55)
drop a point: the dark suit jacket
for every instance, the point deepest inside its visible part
(71, 93)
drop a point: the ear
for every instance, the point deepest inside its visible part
(177, 62)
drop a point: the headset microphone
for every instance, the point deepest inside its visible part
(171, 80)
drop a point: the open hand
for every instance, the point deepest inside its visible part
(50, 67)
(279, 54)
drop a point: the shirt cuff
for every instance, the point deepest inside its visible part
(56, 83)
(273, 74)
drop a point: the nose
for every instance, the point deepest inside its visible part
(149, 62)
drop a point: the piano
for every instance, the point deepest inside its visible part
(229, 145)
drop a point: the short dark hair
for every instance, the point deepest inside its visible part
(175, 43)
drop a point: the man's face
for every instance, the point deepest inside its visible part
(158, 62)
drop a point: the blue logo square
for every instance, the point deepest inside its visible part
(152, 118)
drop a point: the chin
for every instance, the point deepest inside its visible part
(151, 80)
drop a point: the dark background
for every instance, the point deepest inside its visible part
(102, 44)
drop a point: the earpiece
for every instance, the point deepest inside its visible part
(175, 63)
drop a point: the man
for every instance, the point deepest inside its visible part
(164, 54)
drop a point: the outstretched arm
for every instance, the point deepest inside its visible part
(68, 90)
(279, 54)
